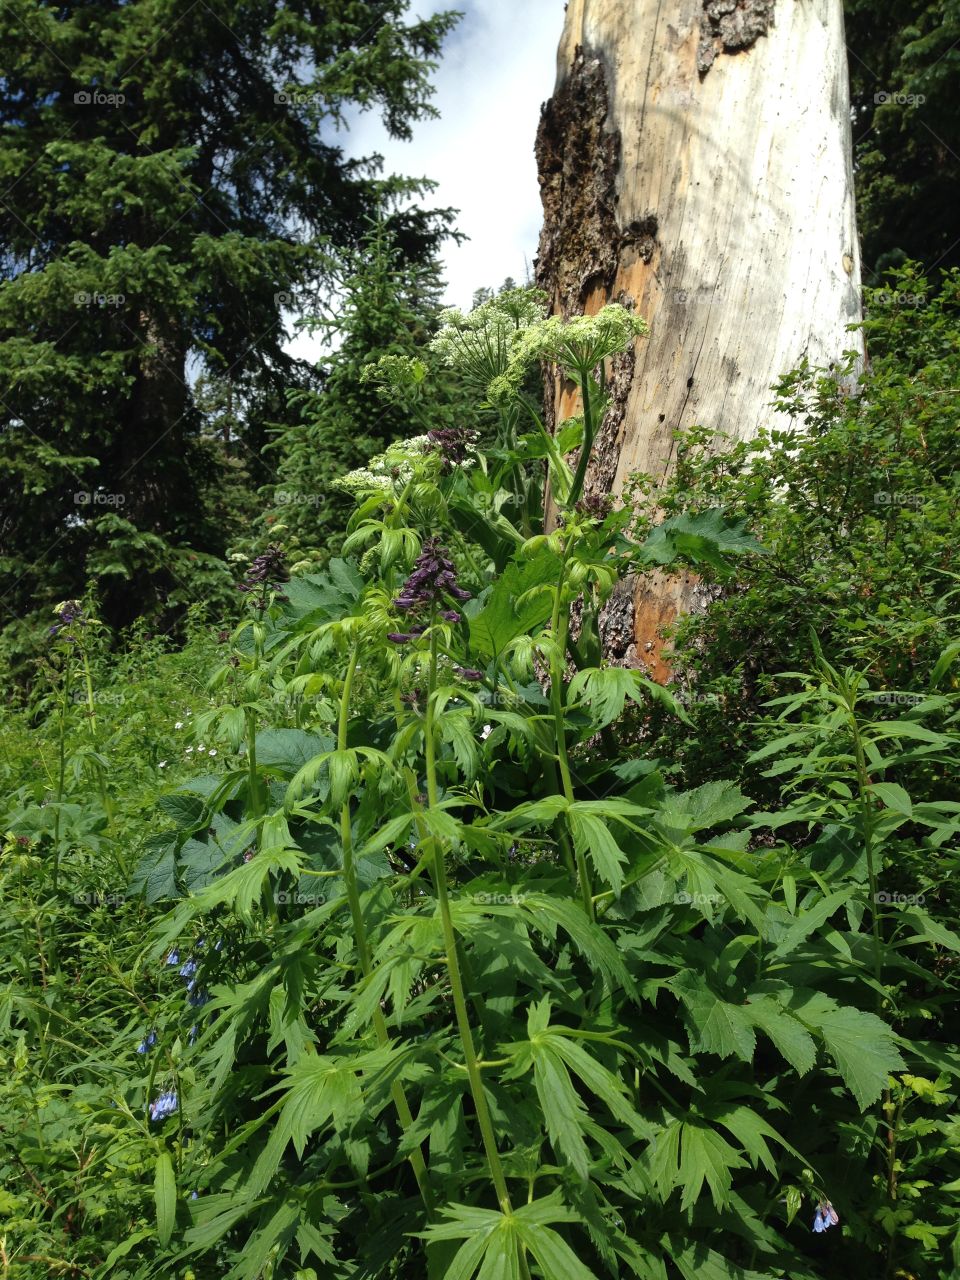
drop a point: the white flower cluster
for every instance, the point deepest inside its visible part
(394, 467)
(578, 345)
(479, 345)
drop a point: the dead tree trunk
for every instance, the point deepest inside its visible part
(695, 159)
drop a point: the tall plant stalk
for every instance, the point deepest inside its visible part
(471, 1058)
(397, 1091)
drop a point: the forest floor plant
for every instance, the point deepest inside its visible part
(490, 996)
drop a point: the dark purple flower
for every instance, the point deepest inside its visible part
(399, 637)
(450, 615)
(266, 574)
(469, 673)
(452, 443)
(433, 580)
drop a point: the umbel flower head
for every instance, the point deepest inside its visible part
(433, 582)
(479, 345)
(386, 471)
(577, 345)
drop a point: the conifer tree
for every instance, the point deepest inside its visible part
(168, 171)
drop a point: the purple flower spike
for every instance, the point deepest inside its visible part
(433, 582)
(398, 637)
(452, 443)
(469, 673)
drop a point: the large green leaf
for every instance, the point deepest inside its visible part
(165, 1197)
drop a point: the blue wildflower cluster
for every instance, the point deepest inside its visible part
(147, 1042)
(165, 1105)
(826, 1216)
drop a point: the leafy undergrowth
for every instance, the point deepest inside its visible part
(435, 966)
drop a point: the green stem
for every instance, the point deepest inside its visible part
(866, 811)
(61, 778)
(589, 431)
(397, 1091)
(471, 1058)
(98, 768)
(559, 622)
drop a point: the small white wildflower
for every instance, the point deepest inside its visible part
(178, 725)
(486, 731)
(212, 752)
(189, 751)
(163, 764)
(201, 748)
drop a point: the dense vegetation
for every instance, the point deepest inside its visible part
(390, 932)
(360, 920)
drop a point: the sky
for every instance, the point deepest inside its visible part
(498, 66)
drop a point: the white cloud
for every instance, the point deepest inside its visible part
(497, 68)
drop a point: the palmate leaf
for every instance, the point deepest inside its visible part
(502, 619)
(278, 1231)
(707, 538)
(715, 1026)
(861, 1044)
(605, 691)
(700, 1262)
(789, 1036)
(554, 1052)
(592, 838)
(287, 751)
(545, 913)
(320, 1091)
(492, 1241)
(706, 1157)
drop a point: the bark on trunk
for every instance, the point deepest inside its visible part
(695, 159)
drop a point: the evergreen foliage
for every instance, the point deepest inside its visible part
(173, 185)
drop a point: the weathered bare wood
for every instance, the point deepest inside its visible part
(696, 159)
